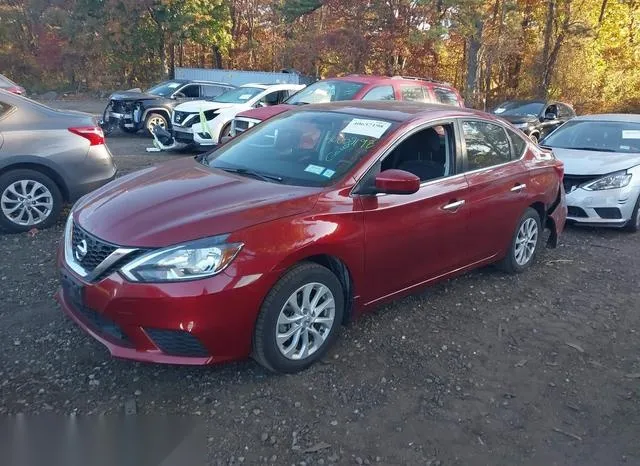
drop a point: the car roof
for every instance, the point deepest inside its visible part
(269, 86)
(400, 111)
(374, 79)
(197, 81)
(613, 117)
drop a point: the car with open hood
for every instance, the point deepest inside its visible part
(207, 122)
(535, 118)
(601, 154)
(356, 87)
(135, 110)
(268, 244)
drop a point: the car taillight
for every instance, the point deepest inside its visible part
(93, 133)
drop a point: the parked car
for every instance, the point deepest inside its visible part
(9, 86)
(220, 112)
(47, 157)
(134, 110)
(356, 87)
(206, 260)
(535, 118)
(601, 154)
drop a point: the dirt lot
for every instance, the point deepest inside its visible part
(488, 369)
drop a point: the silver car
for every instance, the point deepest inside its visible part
(47, 157)
(601, 154)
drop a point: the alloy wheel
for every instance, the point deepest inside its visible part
(305, 321)
(156, 121)
(526, 241)
(26, 202)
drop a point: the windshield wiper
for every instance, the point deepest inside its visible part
(253, 173)
(594, 149)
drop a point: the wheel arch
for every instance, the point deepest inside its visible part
(27, 163)
(166, 113)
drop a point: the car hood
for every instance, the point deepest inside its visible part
(195, 106)
(182, 201)
(133, 95)
(518, 119)
(586, 162)
(264, 113)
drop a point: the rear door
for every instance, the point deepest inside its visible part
(498, 184)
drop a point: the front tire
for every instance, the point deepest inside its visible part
(525, 243)
(28, 199)
(633, 225)
(299, 320)
(155, 119)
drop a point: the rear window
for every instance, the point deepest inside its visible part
(598, 136)
(414, 94)
(446, 96)
(326, 91)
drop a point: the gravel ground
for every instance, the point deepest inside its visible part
(537, 369)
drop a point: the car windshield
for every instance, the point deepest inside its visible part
(165, 89)
(302, 148)
(602, 136)
(239, 95)
(325, 91)
(529, 109)
(6, 82)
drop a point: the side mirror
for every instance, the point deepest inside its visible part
(397, 182)
(260, 104)
(179, 95)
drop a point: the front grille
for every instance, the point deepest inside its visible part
(96, 249)
(185, 138)
(121, 106)
(180, 117)
(576, 212)
(177, 343)
(571, 182)
(611, 213)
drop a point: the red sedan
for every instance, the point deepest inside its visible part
(268, 244)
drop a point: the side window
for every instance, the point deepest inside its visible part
(211, 91)
(414, 94)
(380, 93)
(487, 144)
(551, 110)
(192, 91)
(274, 98)
(517, 144)
(4, 108)
(564, 111)
(446, 96)
(427, 153)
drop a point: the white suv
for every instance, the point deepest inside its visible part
(221, 110)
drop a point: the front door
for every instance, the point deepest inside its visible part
(412, 239)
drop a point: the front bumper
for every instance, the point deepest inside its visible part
(194, 323)
(611, 207)
(194, 134)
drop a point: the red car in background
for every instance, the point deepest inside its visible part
(355, 87)
(268, 244)
(9, 86)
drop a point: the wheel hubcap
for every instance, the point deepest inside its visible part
(305, 321)
(26, 202)
(526, 241)
(156, 121)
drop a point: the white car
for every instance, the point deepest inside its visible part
(601, 155)
(220, 111)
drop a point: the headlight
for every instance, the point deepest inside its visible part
(190, 261)
(612, 181)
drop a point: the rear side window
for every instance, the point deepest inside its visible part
(517, 143)
(212, 91)
(487, 144)
(4, 108)
(380, 93)
(564, 111)
(414, 94)
(446, 96)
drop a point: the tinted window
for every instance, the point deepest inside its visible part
(487, 144)
(564, 111)
(303, 148)
(213, 91)
(326, 91)
(445, 96)
(380, 93)
(165, 89)
(275, 98)
(414, 94)
(518, 144)
(239, 95)
(601, 136)
(530, 109)
(4, 108)
(191, 91)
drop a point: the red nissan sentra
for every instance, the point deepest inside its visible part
(267, 245)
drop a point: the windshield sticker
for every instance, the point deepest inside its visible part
(499, 110)
(328, 173)
(371, 128)
(245, 97)
(316, 169)
(173, 85)
(631, 134)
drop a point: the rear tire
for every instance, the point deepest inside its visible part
(303, 310)
(633, 225)
(42, 196)
(525, 243)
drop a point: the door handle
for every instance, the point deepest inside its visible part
(519, 187)
(453, 206)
